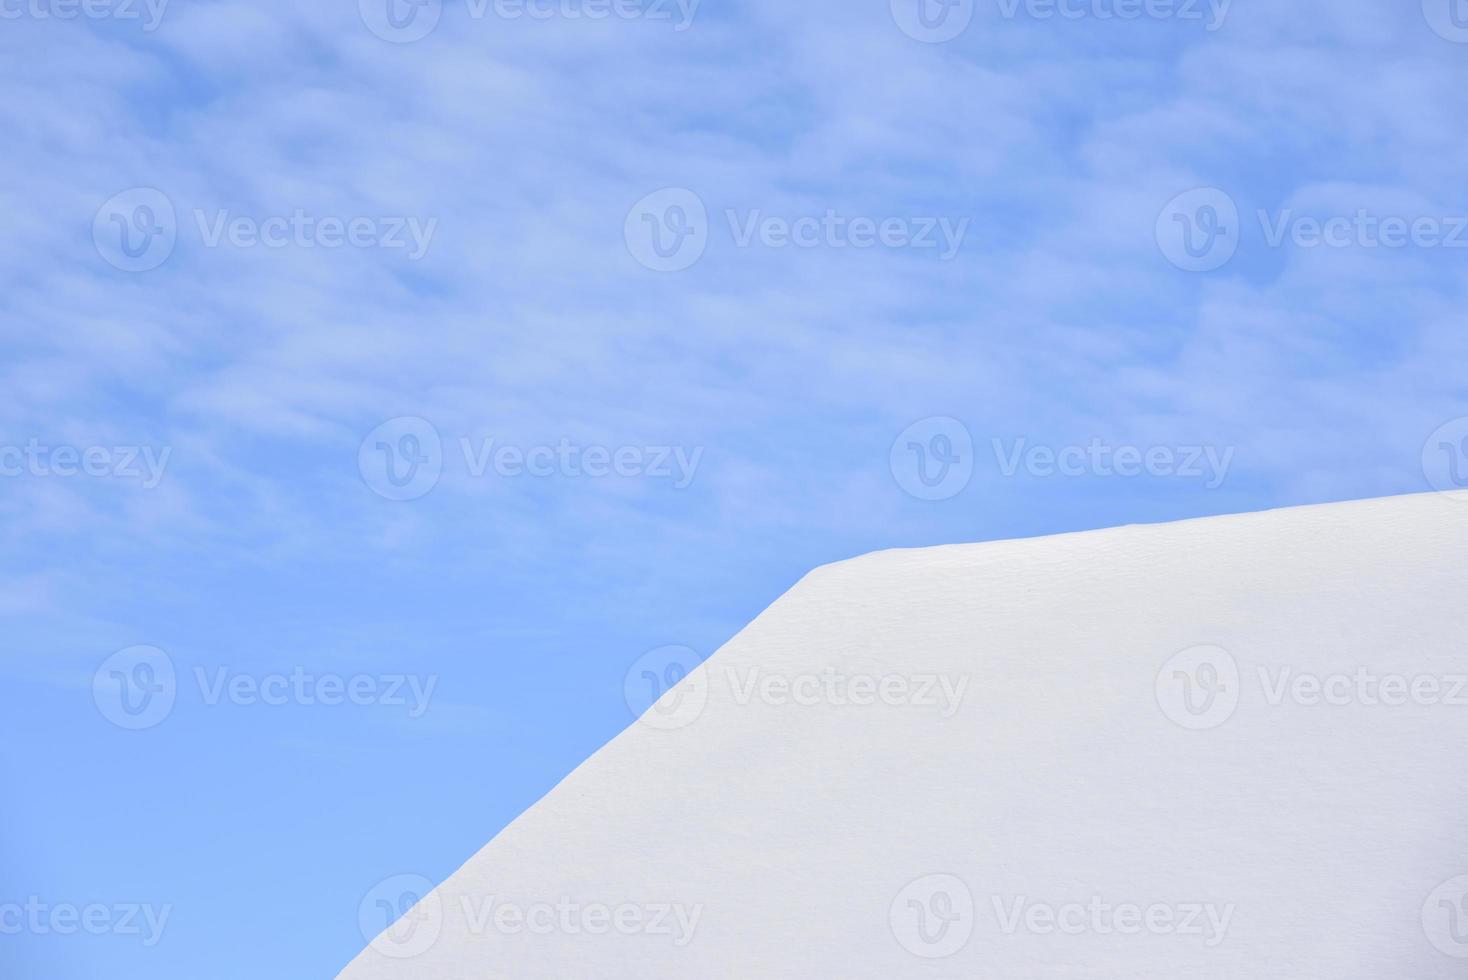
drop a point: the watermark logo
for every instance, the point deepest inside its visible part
(400, 21)
(1210, 13)
(1445, 458)
(834, 230)
(1445, 917)
(940, 693)
(1202, 686)
(401, 917)
(668, 230)
(136, 687)
(933, 459)
(404, 458)
(572, 917)
(1363, 229)
(1448, 18)
(301, 229)
(679, 13)
(1099, 459)
(136, 230)
(1198, 231)
(406, 21)
(401, 459)
(1362, 688)
(1099, 917)
(146, 464)
(1201, 230)
(1198, 688)
(933, 21)
(302, 687)
(40, 918)
(666, 688)
(932, 917)
(149, 12)
(677, 464)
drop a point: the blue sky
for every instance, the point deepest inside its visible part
(340, 357)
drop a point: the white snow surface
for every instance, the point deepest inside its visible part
(1222, 748)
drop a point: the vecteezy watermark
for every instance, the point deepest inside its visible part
(677, 464)
(1210, 13)
(1445, 917)
(403, 459)
(571, 916)
(1448, 18)
(935, 21)
(1097, 916)
(939, 692)
(40, 918)
(300, 229)
(1201, 687)
(666, 688)
(405, 21)
(145, 464)
(932, 917)
(669, 230)
(307, 688)
(1445, 459)
(1361, 686)
(149, 12)
(403, 917)
(137, 230)
(1198, 688)
(135, 688)
(1200, 230)
(933, 459)
(1097, 458)
(834, 230)
(138, 687)
(1363, 229)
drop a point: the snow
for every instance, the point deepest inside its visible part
(1222, 748)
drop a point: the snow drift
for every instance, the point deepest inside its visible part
(1221, 748)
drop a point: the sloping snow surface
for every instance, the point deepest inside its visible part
(1224, 748)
